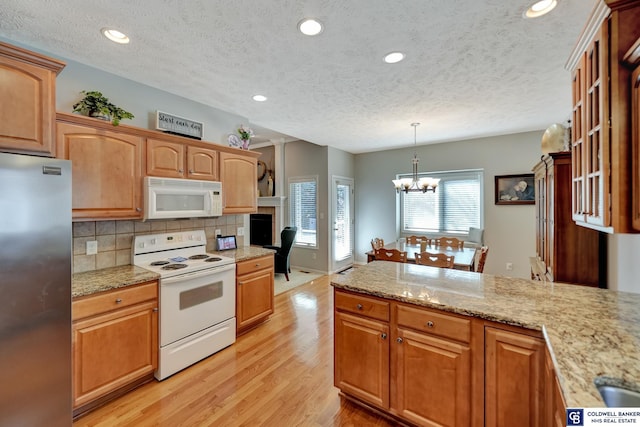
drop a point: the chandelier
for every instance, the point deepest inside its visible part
(414, 183)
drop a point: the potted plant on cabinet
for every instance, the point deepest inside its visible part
(94, 104)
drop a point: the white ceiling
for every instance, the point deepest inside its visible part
(473, 68)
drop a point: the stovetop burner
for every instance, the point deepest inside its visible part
(159, 263)
(213, 259)
(174, 266)
(199, 256)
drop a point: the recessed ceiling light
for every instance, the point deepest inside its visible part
(393, 57)
(115, 35)
(259, 98)
(310, 27)
(540, 8)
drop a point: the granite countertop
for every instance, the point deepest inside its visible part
(245, 252)
(91, 282)
(591, 333)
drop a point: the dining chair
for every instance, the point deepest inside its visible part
(450, 242)
(391, 255)
(416, 240)
(482, 258)
(377, 243)
(435, 259)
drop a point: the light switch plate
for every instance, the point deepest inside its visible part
(240, 231)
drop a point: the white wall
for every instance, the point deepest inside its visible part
(509, 230)
(623, 266)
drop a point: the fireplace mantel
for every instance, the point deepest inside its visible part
(277, 203)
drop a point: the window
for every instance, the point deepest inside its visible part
(303, 208)
(456, 205)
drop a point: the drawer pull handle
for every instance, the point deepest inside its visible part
(155, 309)
(359, 306)
(258, 265)
(118, 300)
(430, 324)
(384, 336)
(400, 340)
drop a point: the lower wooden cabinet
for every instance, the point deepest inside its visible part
(434, 368)
(115, 343)
(254, 292)
(554, 406)
(514, 380)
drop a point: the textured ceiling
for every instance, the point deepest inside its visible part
(473, 67)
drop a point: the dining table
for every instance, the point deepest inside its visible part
(463, 257)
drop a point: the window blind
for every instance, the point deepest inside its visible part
(302, 209)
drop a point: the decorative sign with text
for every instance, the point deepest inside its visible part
(178, 125)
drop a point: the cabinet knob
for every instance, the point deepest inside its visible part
(359, 306)
(191, 171)
(430, 324)
(118, 300)
(138, 209)
(257, 264)
(155, 309)
(180, 170)
(383, 336)
(400, 340)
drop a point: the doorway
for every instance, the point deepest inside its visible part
(342, 246)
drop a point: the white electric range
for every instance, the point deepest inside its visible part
(197, 297)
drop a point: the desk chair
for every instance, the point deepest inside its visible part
(391, 255)
(435, 259)
(281, 257)
(450, 242)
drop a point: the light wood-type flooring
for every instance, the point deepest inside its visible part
(278, 374)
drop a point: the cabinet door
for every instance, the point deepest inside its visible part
(254, 298)
(578, 151)
(112, 350)
(635, 138)
(27, 124)
(431, 380)
(239, 176)
(107, 171)
(361, 358)
(541, 209)
(513, 379)
(165, 158)
(202, 163)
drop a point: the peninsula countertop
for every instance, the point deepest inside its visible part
(91, 282)
(591, 333)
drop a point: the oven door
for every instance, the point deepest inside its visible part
(195, 301)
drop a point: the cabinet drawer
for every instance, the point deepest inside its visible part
(362, 305)
(111, 300)
(434, 323)
(249, 266)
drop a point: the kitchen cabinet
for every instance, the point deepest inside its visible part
(107, 168)
(632, 58)
(254, 292)
(571, 254)
(431, 368)
(514, 378)
(601, 134)
(361, 348)
(28, 91)
(115, 343)
(239, 176)
(554, 406)
(177, 160)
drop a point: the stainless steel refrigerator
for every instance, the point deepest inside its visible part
(35, 291)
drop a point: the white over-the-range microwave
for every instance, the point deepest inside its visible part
(168, 198)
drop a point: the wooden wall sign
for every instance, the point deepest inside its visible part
(178, 125)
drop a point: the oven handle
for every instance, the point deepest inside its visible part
(196, 274)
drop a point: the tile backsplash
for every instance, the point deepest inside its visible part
(115, 237)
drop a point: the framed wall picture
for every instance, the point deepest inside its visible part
(515, 189)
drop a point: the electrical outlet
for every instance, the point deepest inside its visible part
(240, 231)
(313, 256)
(218, 232)
(509, 266)
(92, 247)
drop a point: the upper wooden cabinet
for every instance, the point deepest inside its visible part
(107, 170)
(239, 176)
(601, 130)
(572, 254)
(175, 160)
(632, 58)
(28, 106)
